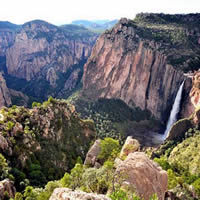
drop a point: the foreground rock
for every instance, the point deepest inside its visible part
(7, 186)
(131, 145)
(68, 194)
(92, 154)
(143, 176)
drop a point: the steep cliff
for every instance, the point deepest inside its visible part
(142, 61)
(43, 57)
(7, 36)
(5, 97)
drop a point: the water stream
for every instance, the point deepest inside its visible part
(175, 110)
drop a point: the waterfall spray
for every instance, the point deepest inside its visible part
(175, 110)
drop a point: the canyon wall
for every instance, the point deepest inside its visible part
(40, 47)
(41, 60)
(5, 97)
(137, 68)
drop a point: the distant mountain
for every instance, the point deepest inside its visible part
(77, 31)
(96, 25)
(8, 25)
(40, 59)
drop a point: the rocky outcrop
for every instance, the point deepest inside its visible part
(68, 194)
(18, 98)
(45, 56)
(143, 175)
(5, 98)
(141, 62)
(93, 153)
(7, 36)
(195, 91)
(3, 144)
(178, 130)
(7, 186)
(40, 45)
(131, 145)
(49, 132)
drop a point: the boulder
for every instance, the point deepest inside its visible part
(7, 186)
(131, 145)
(68, 194)
(3, 143)
(93, 153)
(179, 128)
(143, 176)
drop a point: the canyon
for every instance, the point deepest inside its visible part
(40, 59)
(143, 61)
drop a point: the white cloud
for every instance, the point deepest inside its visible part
(64, 11)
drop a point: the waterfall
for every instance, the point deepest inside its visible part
(175, 110)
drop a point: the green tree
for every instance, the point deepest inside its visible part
(30, 194)
(90, 179)
(76, 174)
(4, 169)
(66, 180)
(18, 196)
(196, 186)
(109, 149)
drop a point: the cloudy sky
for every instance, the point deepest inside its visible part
(64, 11)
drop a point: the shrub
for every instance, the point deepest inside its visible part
(196, 186)
(10, 125)
(109, 149)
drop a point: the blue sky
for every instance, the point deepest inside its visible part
(64, 11)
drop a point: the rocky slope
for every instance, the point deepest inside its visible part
(65, 193)
(7, 36)
(142, 61)
(44, 142)
(143, 176)
(42, 59)
(5, 97)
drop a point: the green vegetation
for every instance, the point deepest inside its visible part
(109, 149)
(44, 142)
(114, 118)
(40, 89)
(95, 180)
(180, 157)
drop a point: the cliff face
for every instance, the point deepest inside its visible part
(135, 62)
(7, 36)
(40, 46)
(46, 55)
(5, 97)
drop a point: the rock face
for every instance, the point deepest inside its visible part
(39, 46)
(131, 145)
(142, 62)
(44, 56)
(92, 154)
(7, 36)
(68, 194)
(7, 186)
(195, 91)
(5, 97)
(179, 128)
(144, 176)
